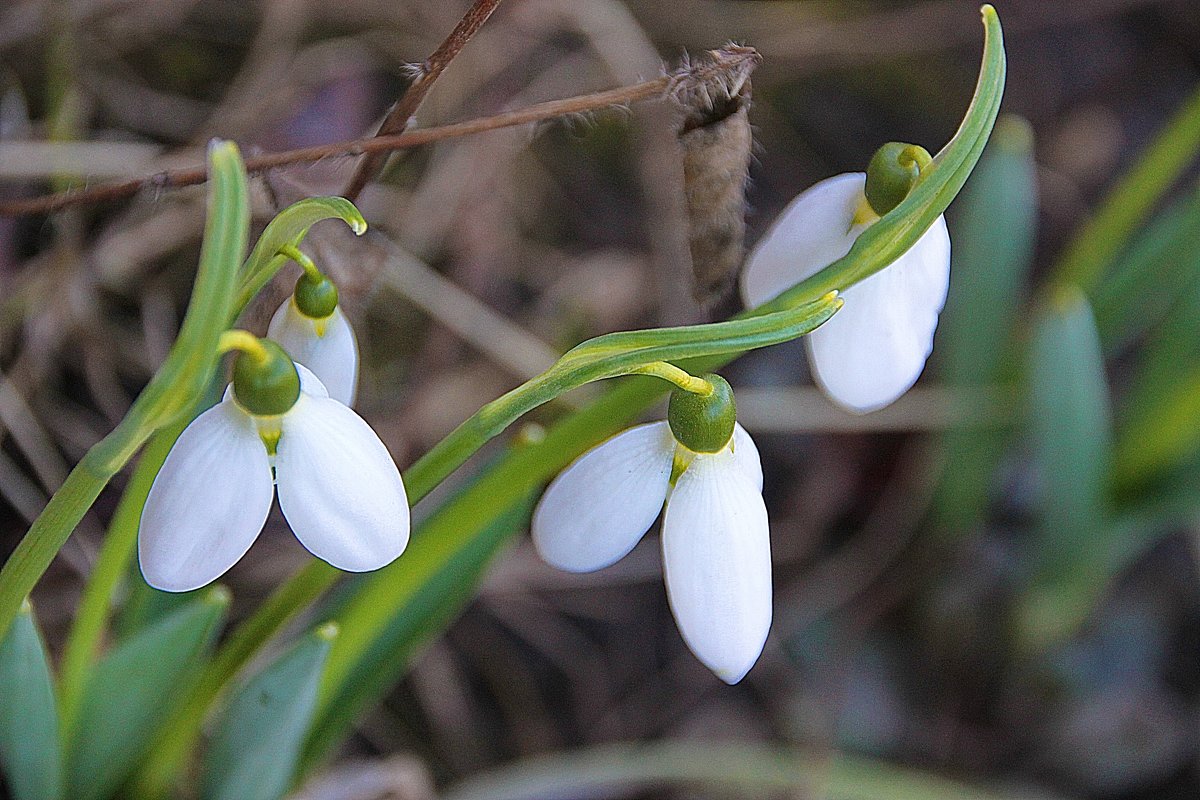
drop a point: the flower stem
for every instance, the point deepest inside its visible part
(679, 377)
(243, 342)
(306, 263)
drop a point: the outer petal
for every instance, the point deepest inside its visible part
(208, 503)
(338, 486)
(811, 233)
(717, 563)
(600, 506)
(332, 355)
(874, 349)
(745, 455)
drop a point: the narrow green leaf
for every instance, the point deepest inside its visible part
(1132, 199)
(994, 231)
(189, 366)
(1161, 433)
(29, 748)
(1144, 283)
(625, 768)
(1070, 428)
(400, 613)
(256, 746)
(132, 690)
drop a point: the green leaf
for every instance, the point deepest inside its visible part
(289, 227)
(256, 746)
(131, 691)
(994, 231)
(1161, 432)
(1070, 428)
(1144, 284)
(1131, 200)
(625, 768)
(395, 614)
(187, 370)
(29, 749)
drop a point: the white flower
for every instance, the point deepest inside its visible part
(338, 488)
(326, 346)
(715, 544)
(874, 349)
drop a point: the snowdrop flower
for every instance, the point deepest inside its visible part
(312, 329)
(715, 546)
(338, 486)
(874, 349)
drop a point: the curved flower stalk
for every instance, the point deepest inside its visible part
(874, 350)
(715, 544)
(338, 486)
(312, 329)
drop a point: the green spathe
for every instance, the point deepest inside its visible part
(703, 422)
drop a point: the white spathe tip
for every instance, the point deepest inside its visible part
(874, 349)
(717, 564)
(339, 488)
(599, 507)
(208, 503)
(327, 347)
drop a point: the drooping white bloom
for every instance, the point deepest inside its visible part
(338, 488)
(715, 543)
(873, 350)
(326, 346)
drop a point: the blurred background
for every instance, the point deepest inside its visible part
(932, 606)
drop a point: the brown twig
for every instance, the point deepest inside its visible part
(679, 80)
(397, 119)
(174, 179)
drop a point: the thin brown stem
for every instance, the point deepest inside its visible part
(173, 179)
(689, 78)
(397, 119)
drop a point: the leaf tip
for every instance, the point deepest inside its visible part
(327, 632)
(218, 596)
(26, 607)
(1014, 134)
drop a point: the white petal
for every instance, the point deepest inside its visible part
(331, 355)
(717, 564)
(600, 506)
(338, 486)
(874, 349)
(745, 455)
(208, 503)
(809, 235)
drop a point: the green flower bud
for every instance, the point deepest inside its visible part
(703, 423)
(316, 298)
(266, 387)
(892, 173)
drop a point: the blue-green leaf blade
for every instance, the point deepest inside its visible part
(255, 750)
(29, 750)
(1071, 433)
(993, 229)
(131, 691)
